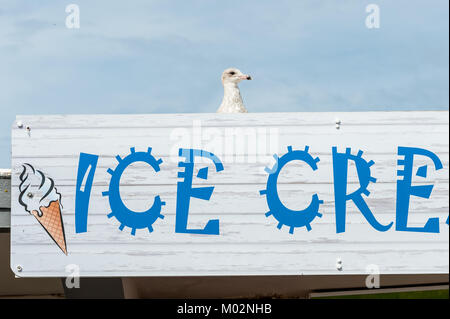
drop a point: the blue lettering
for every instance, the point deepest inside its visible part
(87, 165)
(405, 189)
(185, 191)
(340, 171)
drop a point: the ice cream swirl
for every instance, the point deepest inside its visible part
(36, 190)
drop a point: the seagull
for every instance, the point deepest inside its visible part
(232, 99)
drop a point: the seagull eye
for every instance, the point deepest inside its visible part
(232, 73)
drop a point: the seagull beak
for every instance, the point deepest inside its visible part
(245, 77)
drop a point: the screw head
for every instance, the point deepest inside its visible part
(19, 124)
(30, 195)
(19, 268)
(339, 264)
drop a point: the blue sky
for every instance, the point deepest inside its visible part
(167, 56)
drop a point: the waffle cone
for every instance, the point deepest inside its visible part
(52, 222)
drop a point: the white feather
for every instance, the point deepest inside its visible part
(232, 99)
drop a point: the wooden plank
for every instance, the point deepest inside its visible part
(5, 193)
(319, 137)
(142, 174)
(234, 120)
(249, 243)
(233, 200)
(262, 287)
(5, 218)
(347, 293)
(5, 201)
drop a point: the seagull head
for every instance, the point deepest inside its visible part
(234, 76)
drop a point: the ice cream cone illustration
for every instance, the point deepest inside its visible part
(39, 197)
(51, 220)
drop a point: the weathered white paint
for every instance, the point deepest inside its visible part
(250, 243)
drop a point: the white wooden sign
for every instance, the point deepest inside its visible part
(238, 194)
